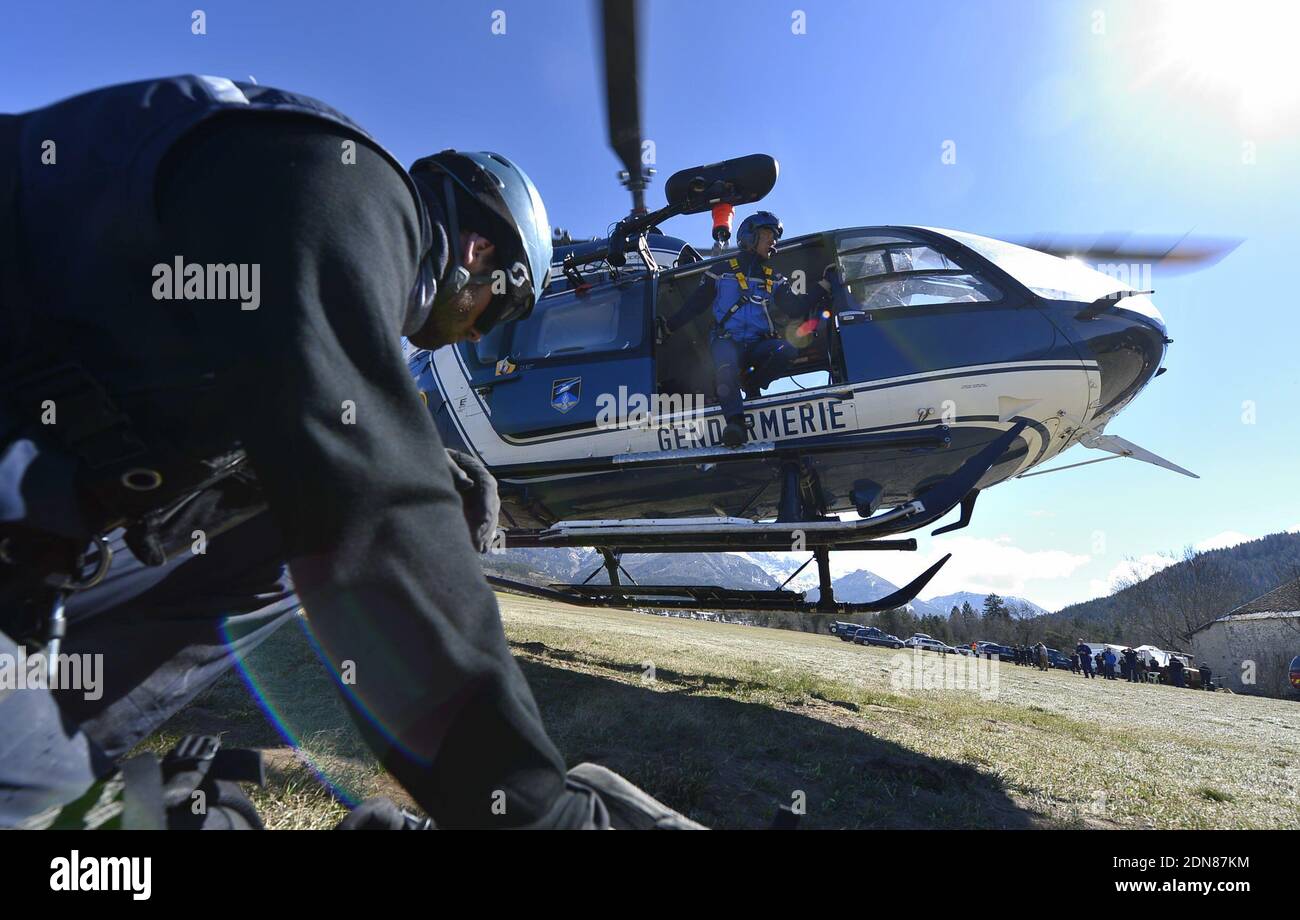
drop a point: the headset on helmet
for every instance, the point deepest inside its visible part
(509, 197)
(747, 235)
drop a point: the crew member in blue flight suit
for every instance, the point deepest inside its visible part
(203, 288)
(752, 306)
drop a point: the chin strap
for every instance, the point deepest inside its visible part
(458, 276)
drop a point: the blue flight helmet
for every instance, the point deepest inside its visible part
(747, 235)
(510, 199)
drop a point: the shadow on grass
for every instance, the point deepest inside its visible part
(726, 762)
(729, 763)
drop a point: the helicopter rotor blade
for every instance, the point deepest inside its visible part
(623, 92)
(1173, 255)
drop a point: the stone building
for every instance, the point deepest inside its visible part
(1250, 648)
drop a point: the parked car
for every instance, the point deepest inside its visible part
(860, 634)
(927, 643)
(964, 650)
(1002, 652)
(844, 630)
(870, 635)
(1058, 659)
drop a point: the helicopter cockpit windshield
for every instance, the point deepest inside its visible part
(1055, 278)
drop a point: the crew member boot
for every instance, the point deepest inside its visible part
(734, 434)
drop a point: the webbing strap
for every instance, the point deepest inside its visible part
(744, 282)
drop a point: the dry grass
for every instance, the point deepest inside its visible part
(309, 780)
(725, 722)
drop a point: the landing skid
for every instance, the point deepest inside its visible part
(709, 597)
(720, 534)
(798, 526)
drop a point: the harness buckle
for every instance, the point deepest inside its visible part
(192, 750)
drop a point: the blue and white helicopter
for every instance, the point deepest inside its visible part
(948, 363)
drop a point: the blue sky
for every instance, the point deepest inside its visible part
(1073, 117)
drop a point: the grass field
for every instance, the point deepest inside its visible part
(726, 722)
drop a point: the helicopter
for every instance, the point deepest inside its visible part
(947, 363)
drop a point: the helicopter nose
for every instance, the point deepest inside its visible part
(1141, 306)
(1128, 347)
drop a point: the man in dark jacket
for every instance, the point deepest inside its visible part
(259, 450)
(1131, 665)
(1085, 658)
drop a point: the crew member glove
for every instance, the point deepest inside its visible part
(661, 330)
(830, 277)
(478, 496)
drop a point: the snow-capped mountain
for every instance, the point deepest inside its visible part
(862, 585)
(781, 565)
(542, 566)
(1021, 608)
(725, 570)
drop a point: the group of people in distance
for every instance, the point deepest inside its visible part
(1128, 665)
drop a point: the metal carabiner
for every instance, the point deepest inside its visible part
(56, 624)
(95, 577)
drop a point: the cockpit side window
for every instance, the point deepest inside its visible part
(882, 261)
(881, 272)
(607, 319)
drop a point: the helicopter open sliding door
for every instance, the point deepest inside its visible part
(562, 368)
(818, 364)
(684, 365)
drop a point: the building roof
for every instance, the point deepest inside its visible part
(1282, 601)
